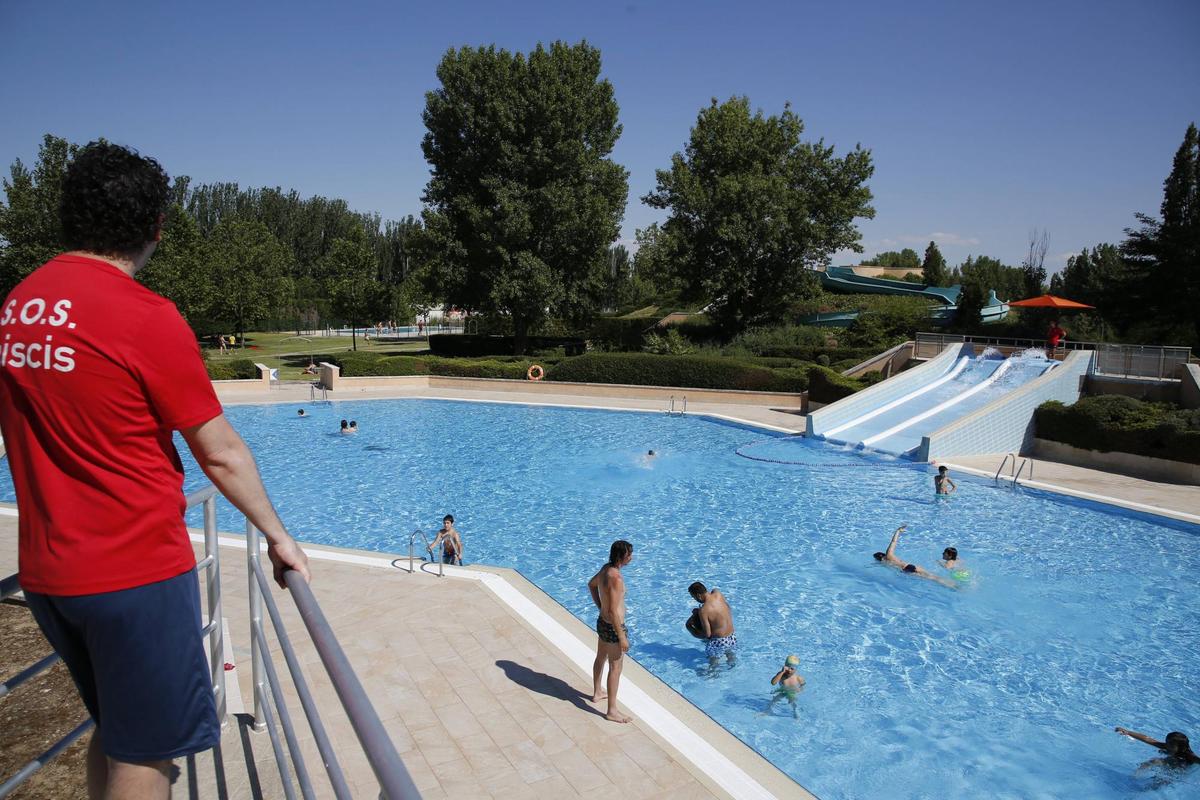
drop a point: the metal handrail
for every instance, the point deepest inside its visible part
(213, 631)
(671, 412)
(1021, 469)
(411, 558)
(393, 778)
(996, 477)
(312, 392)
(1112, 358)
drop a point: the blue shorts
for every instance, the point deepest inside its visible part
(138, 660)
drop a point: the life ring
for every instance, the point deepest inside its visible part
(535, 372)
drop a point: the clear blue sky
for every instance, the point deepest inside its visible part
(985, 119)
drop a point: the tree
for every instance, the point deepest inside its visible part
(1033, 269)
(249, 271)
(523, 200)
(989, 273)
(933, 268)
(1164, 255)
(179, 270)
(30, 228)
(752, 209)
(350, 271)
(905, 259)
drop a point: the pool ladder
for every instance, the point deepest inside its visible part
(314, 388)
(1018, 469)
(412, 538)
(671, 412)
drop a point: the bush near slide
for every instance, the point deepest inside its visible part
(692, 372)
(1112, 422)
(237, 369)
(826, 385)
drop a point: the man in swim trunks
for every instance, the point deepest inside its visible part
(451, 542)
(716, 623)
(1177, 747)
(608, 593)
(942, 480)
(889, 557)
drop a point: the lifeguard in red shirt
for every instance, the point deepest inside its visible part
(1055, 336)
(96, 372)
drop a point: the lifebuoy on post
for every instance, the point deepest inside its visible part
(535, 372)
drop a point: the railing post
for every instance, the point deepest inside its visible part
(256, 616)
(216, 648)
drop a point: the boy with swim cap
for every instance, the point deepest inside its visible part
(787, 683)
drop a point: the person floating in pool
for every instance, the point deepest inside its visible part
(301, 413)
(942, 484)
(353, 427)
(788, 684)
(450, 540)
(889, 557)
(712, 622)
(649, 459)
(1178, 749)
(952, 563)
(345, 429)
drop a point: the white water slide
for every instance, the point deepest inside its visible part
(971, 383)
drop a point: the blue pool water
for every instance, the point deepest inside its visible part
(1080, 618)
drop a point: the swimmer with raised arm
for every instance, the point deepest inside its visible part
(1177, 748)
(889, 557)
(788, 683)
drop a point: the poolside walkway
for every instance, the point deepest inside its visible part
(477, 702)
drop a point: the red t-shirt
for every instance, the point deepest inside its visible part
(96, 371)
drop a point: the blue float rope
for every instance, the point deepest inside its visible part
(741, 452)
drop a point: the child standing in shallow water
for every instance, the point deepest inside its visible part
(788, 683)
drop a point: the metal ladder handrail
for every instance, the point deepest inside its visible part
(411, 558)
(671, 412)
(312, 392)
(1021, 469)
(996, 477)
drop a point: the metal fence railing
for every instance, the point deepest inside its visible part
(1118, 360)
(270, 705)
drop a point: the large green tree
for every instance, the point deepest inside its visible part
(30, 230)
(249, 273)
(904, 259)
(179, 269)
(1164, 254)
(752, 208)
(523, 200)
(933, 268)
(359, 297)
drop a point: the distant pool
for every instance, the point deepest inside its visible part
(1081, 617)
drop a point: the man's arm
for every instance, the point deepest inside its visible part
(953, 485)
(458, 543)
(229, 464)
(436, 541)
(778, 677)
(891, 548)
(592, 587)
(705, 625)
(615, 589)
(1141, 737)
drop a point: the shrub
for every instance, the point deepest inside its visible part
(465, 368)
(669, 343)
(459, 345)
(693, 372)
(619, 333)
(360, 365)
(826, 385)
(1112, 422)
(235, 370)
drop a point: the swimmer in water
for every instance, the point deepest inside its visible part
(353, 426)
(942, 484)
(1178, 749)
(788, 684)
(889, 557)
(301, 413)
(345, 429)
(958, 570)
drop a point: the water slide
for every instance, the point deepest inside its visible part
(949, 390)
(844, 280)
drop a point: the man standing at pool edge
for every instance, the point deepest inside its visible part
(96, 371)
(608, 593)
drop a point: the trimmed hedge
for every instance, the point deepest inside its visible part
(1122, 424)
(359, 365)
(471, 345)
(235, 370)
(826, 385)
(691, 372)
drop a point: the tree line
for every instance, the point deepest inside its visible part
(524, 204)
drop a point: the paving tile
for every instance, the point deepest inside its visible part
(529, 761)
(579, 770)
(552, 789)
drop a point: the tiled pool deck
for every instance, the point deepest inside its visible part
(480, 678)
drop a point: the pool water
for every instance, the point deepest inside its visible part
(1078, 618)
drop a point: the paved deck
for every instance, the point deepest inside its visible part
(477, 702)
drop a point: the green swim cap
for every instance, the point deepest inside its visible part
(792, 661)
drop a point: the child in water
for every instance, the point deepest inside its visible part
(787, 683)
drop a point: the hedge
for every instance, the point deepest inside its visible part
(692, 372)
(826, 385)
(1115, 423)
(471, 345)
(237, 369)
(359, 365)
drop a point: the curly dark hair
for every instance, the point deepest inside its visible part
(111, 200)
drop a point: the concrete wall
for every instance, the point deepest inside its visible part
(1189, 389)
(889, 362)
(1151, 469)
(332, 380)
(859, 403)
(1141, 388)
(1006, 424)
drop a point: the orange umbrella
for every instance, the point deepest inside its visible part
(1047, 301)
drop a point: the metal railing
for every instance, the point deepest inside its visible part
(672, 412)
(412, 537)
(1118, 360)
(1010, 458)
(317, 388)
(212, 630)
(270, 706)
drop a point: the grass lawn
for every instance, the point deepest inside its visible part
(290, 353)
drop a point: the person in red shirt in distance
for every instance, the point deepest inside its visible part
(96, 371)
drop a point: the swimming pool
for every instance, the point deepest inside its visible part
(1079, 618)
